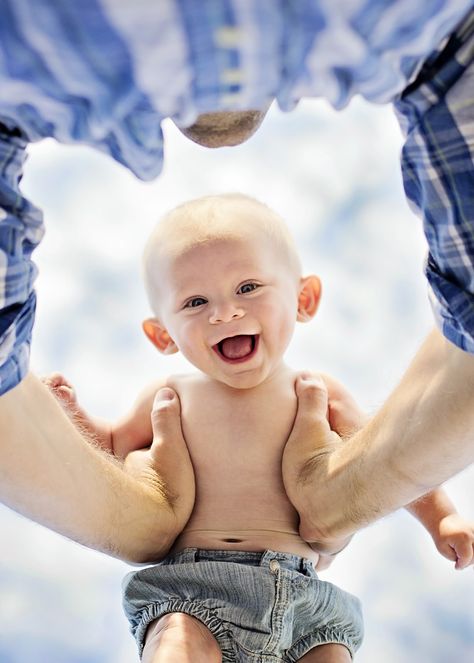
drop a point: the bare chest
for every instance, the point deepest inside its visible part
(236, 442)
(237, 436)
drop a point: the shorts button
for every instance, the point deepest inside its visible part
(274, 565)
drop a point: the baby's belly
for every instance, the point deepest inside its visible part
(255, 519)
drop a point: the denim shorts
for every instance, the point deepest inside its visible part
(260, 606)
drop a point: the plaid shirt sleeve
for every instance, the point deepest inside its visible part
(437, 116)
(21, 229)
(64, 72)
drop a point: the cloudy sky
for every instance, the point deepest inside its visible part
(335, 179)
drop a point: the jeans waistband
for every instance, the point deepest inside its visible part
(265, 558)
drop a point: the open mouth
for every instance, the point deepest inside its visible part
(236, 349)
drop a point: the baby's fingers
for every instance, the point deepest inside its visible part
(448, 550)
(60, 387)
(55, 380)
(464, 553)
(459, 549)
(65, 393)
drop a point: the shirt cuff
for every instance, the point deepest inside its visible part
(15, 344)
(453, 308)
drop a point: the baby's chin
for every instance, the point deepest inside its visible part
(243, 383)
(245, 379)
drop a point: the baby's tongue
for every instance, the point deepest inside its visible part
(236, 347)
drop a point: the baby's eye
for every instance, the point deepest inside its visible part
(195, 302)
(247, 287)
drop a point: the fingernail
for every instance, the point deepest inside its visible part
(164, 394)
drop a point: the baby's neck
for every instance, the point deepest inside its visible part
(280, 373)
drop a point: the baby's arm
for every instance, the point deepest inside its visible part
(134, 430)
(95, 429)
(452, 534)
(131, 432)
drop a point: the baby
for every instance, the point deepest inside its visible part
(224, 282)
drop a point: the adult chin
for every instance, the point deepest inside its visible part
(224, 129)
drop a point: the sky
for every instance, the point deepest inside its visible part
(334, 177)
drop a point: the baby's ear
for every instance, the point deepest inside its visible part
(159, 336)
(308, 298)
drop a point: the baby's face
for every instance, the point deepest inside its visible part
(230, 305)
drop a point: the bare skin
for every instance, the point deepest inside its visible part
(420, 438)
(237, 411)
(236, 452)
(51, 473)
(240, 503)
(224, 129)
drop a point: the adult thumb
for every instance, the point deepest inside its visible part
(311, 421)
(165, 418)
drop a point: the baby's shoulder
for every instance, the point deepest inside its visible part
(184, 383)
(293, 374)
(329, 380)
(175, 382)
(336, 390)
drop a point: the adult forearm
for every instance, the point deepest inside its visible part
(51, 474)
(423, 435)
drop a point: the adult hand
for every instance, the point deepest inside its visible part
(53, 475)
(420, 437)
(166, 466)
(307, 454)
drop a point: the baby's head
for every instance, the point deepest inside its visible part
(224, 282)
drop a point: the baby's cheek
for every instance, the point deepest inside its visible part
(286, 329)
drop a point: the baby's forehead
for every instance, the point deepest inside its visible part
(185, 263)
(208, 250)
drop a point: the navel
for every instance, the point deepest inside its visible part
(232, 540)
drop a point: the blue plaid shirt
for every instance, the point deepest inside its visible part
(105, 73)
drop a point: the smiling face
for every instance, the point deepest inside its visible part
(227, 296)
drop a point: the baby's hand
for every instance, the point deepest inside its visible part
(95, 430)
(455, 540)
(63, 390)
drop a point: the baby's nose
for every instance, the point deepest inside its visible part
(225, 313)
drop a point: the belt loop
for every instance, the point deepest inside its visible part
(188, 555)
(307, 567)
